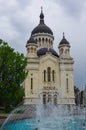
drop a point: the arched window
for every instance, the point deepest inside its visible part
(49, 40)
(31, 83)
(49, 74)
(31, 49)
(36, 40)
(46, 39)
(55, 99)
(67, 85)
(42, 41)
(44, 75)
(44, 98)
(34, 50)
(53, 75)
(39, 39)
(49, 98)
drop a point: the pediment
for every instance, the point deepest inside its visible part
(48, 58)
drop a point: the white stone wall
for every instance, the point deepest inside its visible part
(63, 85)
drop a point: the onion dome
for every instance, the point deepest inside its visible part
(31, 41)
(42, 27)
(43, 51)
(63, 41)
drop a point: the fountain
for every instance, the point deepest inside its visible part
(46, 117)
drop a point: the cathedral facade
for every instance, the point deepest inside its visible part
(50, 75)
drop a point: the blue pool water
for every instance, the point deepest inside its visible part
(49, 123)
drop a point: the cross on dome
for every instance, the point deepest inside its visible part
(63, 35)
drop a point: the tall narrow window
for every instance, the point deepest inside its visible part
(44, 75)
(44, 98)
(67, 85)
(53, 75)
(31, 49)
(55, 99)
(31, 83)
(49, 74)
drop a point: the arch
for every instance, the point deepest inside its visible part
(49, 98)
(49, 41)
(55, 99)
(39, 39)
(46, 39)
(42, 39)
(28, 50)
(34, 50)
(53, 75)
(31, 83)
(36, 40)
(44, 75)
(31, 49)
(67, 84)
(44, 98)
(49, 74)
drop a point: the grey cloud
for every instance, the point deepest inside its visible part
(14, 18)
(24, 3)
(19, 17)
(73, 7)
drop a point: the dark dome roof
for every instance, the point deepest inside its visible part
(31, 41)
(43, 51)
(42, 28)
(63, 41)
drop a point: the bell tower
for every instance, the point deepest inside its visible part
(31, 47)
(64, 48)
(66, 71)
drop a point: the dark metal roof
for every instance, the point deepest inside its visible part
(43, 51)
(31, 41)
(42, 27)
(63, 41)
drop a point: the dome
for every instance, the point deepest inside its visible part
(42, 27)
(63, 41)
(43, 51)
(31, 41)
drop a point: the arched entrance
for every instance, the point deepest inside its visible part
(49, 97)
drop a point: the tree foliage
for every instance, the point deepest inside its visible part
(12, 74)
(78, 96)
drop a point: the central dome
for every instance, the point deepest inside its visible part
(42, 27)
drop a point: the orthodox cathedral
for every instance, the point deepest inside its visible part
(50, 76)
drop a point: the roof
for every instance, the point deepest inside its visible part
(42, 27)
(63, 41)
(43, 51)
(31, 41)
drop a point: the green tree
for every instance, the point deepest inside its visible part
(81, 97)
(77, 95)
(12, 75)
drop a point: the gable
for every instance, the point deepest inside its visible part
(48, 58)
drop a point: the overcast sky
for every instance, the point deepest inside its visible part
(19, 17)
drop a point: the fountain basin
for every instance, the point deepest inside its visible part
(48, 123)
(32, 117)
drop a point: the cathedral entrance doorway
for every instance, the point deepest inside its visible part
(49, 97)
